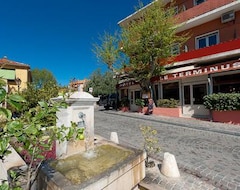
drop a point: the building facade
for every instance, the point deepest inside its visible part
(209, 61)
(75, 84)
(15, 74)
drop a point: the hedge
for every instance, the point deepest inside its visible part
(168, 103)
(222, 101)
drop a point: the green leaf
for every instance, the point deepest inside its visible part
(31, 130)
(16, 105)
(40, 156)
(16, 98)
(7, 113)
(13, 126)
(43, 104)
(3, 94)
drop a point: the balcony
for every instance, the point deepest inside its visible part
(205, 12)
(222, 50)
(201, 9)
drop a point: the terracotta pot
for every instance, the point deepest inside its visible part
(124, 109)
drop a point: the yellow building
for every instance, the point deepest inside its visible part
(15, 74)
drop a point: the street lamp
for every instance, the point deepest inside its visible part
(18, 82)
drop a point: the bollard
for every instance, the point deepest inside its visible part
(169, 166)
(114, 137)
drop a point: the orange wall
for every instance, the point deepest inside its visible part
(227, 31)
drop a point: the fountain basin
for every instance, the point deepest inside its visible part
(110, 167)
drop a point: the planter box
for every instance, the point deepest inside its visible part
(226, 116)
(171, 112)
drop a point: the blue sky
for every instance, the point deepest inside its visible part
(57, 35)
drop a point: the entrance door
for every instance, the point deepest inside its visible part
(193, 100)
(135, 94)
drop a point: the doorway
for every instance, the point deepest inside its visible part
(135, 94)
(193, 100)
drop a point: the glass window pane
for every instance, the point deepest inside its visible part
(199, 91)
(137, 95)
(212, 40)
(131, 100)
(156, 91)
(171, 90)
(175, 49)
(202, 43)
(186, 94)
(197, 2)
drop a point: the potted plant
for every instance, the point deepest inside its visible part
(140, 102)
(151, 144)
(125, 104)
(224, 107)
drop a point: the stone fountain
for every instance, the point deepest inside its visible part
(93, 163)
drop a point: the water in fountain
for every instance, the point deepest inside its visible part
(82, 167)
(89, 152)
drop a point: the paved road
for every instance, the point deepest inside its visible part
(209, 151)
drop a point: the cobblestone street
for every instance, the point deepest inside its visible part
(207, 153)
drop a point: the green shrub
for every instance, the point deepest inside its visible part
(168, 103)
(125, 102)
(140, 102)
(222, 101)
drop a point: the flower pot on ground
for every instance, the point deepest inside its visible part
(140, 103)
(124, 109)
(125, 103)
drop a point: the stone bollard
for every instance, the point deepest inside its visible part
(169, 166)
(114, 137)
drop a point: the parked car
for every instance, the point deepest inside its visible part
(108, 101)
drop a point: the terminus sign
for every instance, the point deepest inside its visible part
(201, 71)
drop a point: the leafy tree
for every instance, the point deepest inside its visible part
(42, 77)
(33, 94)
(43, 88)
(108, 51)
(147, 43)
(101, 83)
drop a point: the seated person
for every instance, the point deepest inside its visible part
(151, 105)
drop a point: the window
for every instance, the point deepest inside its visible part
(175, 50)
(199, 91)
(226, 83)
(197, 2)
(171, 90)
(175, 10)
(207, 40)
(156, 91)
(187, 95)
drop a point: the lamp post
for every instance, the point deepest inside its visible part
(18, 82)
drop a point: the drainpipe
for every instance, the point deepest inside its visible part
(210, 90)
(210, 84)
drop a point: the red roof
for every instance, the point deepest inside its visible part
(5, 63)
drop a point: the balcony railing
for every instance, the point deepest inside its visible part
(201, 9)
(211, 50)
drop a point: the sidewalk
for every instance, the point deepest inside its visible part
(192, 177)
